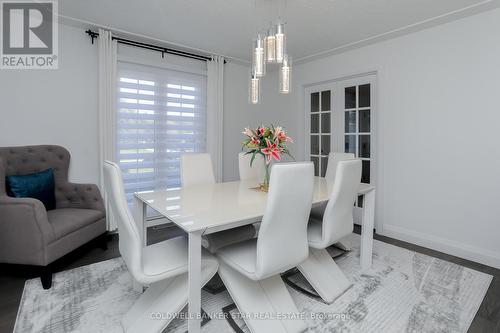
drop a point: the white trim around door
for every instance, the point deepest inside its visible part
(327, 108)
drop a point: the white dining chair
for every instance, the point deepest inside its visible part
(163, 266)
(197, 169)
(251, 269)
(253, 172)
(320, 269)
(333, 160)
(331, 169)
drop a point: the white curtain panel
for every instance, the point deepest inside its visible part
(215, 111)
(107, 94)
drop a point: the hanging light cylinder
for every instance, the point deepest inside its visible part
(258, 61)
(280, 41)
(254, 88)
(270, 45)
(286, 75)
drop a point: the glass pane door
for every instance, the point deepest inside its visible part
(357, 125)
(342, 123)
(320, 133)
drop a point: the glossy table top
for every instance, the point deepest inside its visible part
(221, 206)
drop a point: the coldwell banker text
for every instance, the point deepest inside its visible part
(29, 35)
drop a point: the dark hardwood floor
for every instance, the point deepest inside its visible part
(12, 278)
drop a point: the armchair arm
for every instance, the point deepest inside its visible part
(24, 231)
(85, 196)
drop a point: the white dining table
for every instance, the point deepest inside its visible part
(205, 209)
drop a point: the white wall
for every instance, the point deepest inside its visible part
(438, 123)
(56, 106)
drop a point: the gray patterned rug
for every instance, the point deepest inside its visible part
(403, 292)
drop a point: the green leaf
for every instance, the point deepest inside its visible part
(253, 158)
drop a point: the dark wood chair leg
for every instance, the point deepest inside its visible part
(46, 277)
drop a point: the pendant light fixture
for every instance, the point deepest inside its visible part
(286, 75)
(254, 88)
(280, 42)
(259, 63)
(270, 44)
(270, 49)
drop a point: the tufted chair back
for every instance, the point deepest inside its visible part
(24, 160)
(29, 159)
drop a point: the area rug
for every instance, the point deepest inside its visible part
(403, 292)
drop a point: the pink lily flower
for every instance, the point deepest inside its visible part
(281, 135)
(278, 131)
(248, 132)
(272, 151)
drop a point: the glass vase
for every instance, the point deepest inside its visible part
(267, 175)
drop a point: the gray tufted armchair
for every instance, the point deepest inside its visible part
(29, 234)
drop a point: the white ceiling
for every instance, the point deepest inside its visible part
(227, 26)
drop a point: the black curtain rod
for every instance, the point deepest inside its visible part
(152, 47)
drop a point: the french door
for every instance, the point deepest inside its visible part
(339, 117)
(320, 133)
(357, 109)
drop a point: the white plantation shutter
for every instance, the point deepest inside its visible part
(161, 115)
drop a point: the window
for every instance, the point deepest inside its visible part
(161, 114)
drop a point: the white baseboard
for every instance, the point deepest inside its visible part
(451, 247)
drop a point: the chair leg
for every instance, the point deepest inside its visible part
(46, 277)
(268, 296)
(324, 275)
(150, 313)
(159, 304)
(342, 246)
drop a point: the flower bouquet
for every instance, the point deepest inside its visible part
(270, 143)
